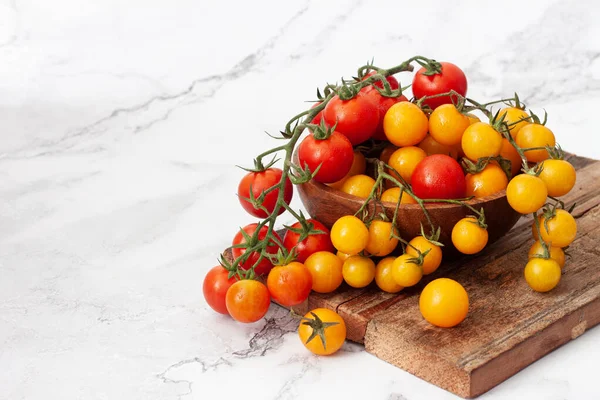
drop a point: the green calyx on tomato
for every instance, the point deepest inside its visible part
(318, 327)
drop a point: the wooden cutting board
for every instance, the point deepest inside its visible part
(508, 327)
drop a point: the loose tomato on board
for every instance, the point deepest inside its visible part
(450, 78)
(438, 177)
(326, 270)
(444, 303)
(312, 244)
(332, 156)
(259, 182)
(322, 331)
(383, 104)
(490, 180)
(405, 124)
(357, 118)
(247, 301)
(289, 284)
(215, 286)
(265, 264)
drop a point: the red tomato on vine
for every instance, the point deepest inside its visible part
(260, 182)
(214, 288)
(265, 264)
(450, 78)
(334, 154)
(383, 104)
(312, 244)
(391, 80)
(357, 118)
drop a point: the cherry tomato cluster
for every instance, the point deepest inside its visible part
(439, 146)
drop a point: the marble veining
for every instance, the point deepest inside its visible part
(122, 123)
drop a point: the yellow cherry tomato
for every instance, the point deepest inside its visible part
(490, 180)
(509, 152)
(432, 260)
(444, 303)
(535, 135)
(359, 166)
(405, 160)
(431, 146)
(326, 270)
(392, 195)
(405, 272)
(330, 331)
(358, 271)
(473, 119)
(526, 193)
(542, 275)
(380, 243)
(358, 185)
(447, 124)
(481, 140)
(349, 235)
(556, 253)
(384, 278)
(342, 256)
(387, 152)
(562, 229)
(405, 124)
(559, 177)
(468, 237)
(515, 118)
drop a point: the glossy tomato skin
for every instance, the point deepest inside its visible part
(214, 288)
(356, 118)
(317, 119)
(290, 284)
(247, 301)
(451, 78)
(438, 177)
(334, 154)
(383, 104)
(310, 245)
(261, 181)
(391, 80)
(265, 265)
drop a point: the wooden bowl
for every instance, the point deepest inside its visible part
(326, 205)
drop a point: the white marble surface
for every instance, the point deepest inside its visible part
(121, 123)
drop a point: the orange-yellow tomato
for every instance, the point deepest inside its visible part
(561, 229)
(556, 253)
(326, 271)
(359, 166)
(405, 160)
(405, 124)
(516, 118)
(542, 275)
(431, 146)
(349, 235)
(526, 193)
(509, 152)
(559, 177)
(432, 260)
(392, 195)
(481, 140)
(473, 119)
(447, 124)
(358, 185)
(343, 256)
(330, 331)
(380, 241)
(490, 180)
(384, 278)
(444, 303)
(535, 135)
(468, 237)
(405, 272)
(358, 271)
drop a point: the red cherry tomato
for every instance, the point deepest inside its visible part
(261, 181)
(265, 265)
(290, 284)
(391, 80)
(451, 78)
(356, 118)
(310, 245)
(216, 283)
(317, 119)
(438, 177)
(334, 154)
(384, 104)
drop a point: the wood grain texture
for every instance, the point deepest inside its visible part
(508, 327)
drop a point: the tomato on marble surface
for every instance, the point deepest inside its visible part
(247, 301)
(259, 182)
(215, 286)
(322, 331)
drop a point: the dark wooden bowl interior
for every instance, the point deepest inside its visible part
(327, 205)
